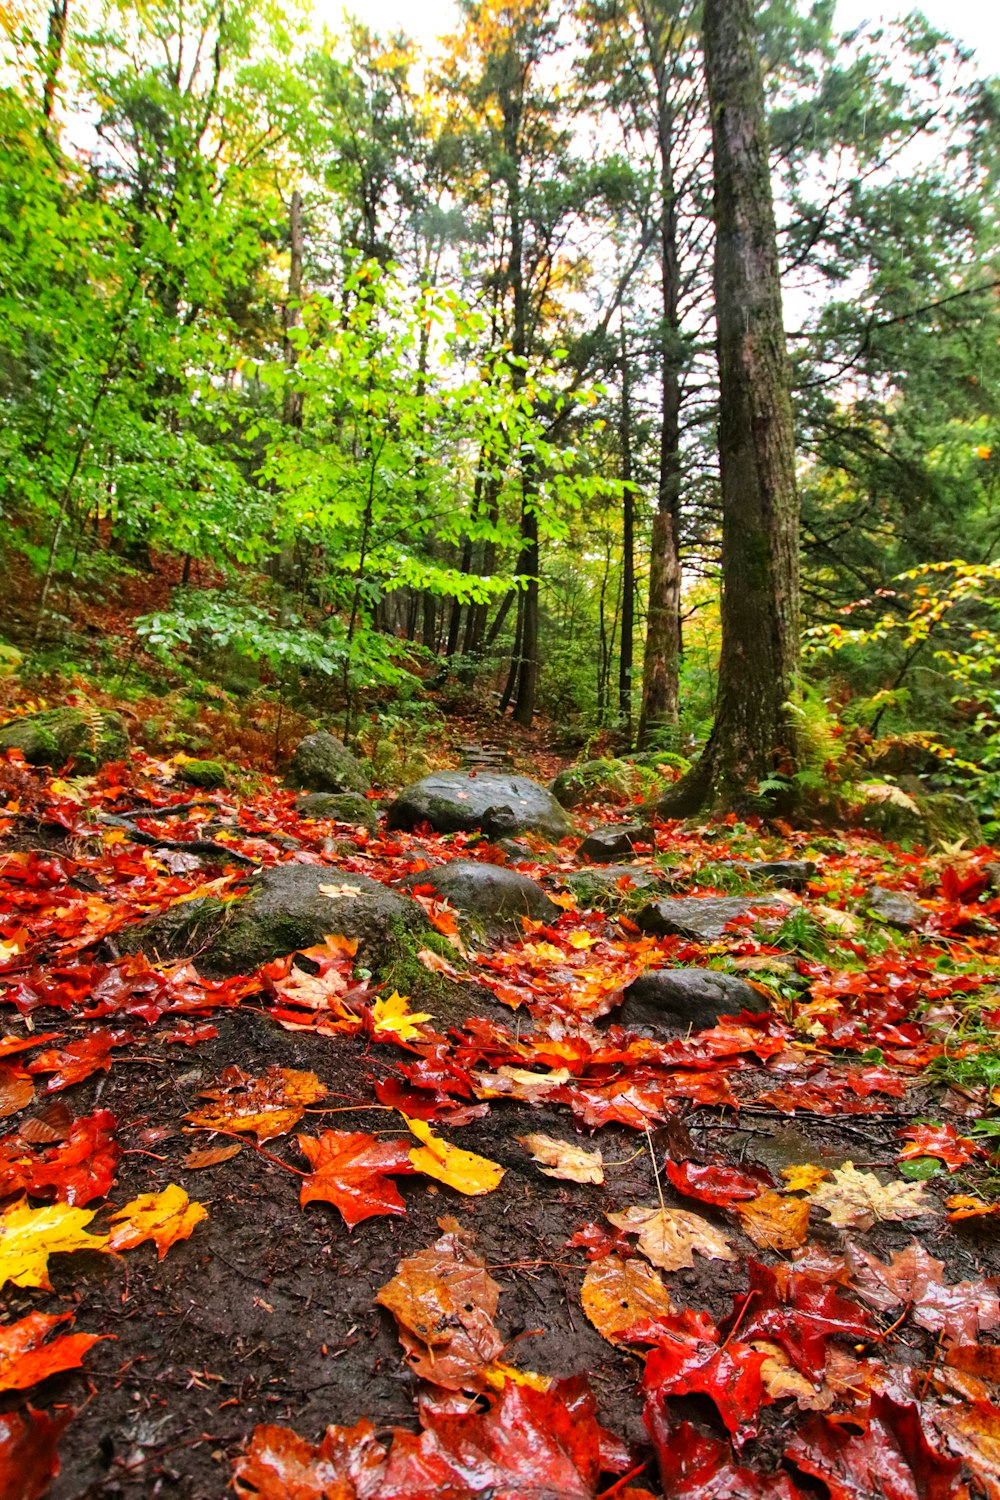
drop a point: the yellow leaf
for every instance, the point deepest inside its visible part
(857, 1200)
(581, 939)
(28, 1236)
(616, 1294)
(564, 1160)
(983, 451)
(462, 1170)
(773, 1221)
(498, 1374)
(163, 1217)
(804, 1178)
(393, 1016)
(669, 1236)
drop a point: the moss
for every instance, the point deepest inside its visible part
(87, 737)
(210, 774)
(406, 973)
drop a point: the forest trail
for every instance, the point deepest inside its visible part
(774, 1235)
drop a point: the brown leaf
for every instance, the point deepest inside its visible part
(972, 1430)
(267, 1106)
(669, 1237)
(858, 1200)
(958, 1312)
(211, 1156)
(773, 1221)
(16, 1089)
(564, 1160)
(617, 1294)
(444, 1300)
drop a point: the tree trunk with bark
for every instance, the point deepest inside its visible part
(752, 737)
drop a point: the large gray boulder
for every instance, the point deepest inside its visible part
(86, 738)
(489, 894)
(322, 763)
(460, 802)
(703, 919)
(286, 908)
(664, 1002)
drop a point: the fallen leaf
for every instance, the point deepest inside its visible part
(462, 1170)
(718, 1185)
(211, 1156)
(393, 1017)
(28, 1458)
(349, 1170)
(958, 1312)
(804, 1178)
(972, 1430)
(858, 1200)
(564, 1160)
(942, 1142)
(17, 1089)
(76, 1061)
(163, 1217)
(688, 1358)
(268, 1106)
(25, 1357)
(774, 1222)
(616, 1294)
(696, 1466)
(78, 1169)
(890, 1457)
(982, 1360)
(444, 1301)
(340, 892)
(669, 1237)
(28, 1236)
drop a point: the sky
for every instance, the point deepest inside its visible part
(976, 23)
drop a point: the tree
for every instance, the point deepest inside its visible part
(752, 737)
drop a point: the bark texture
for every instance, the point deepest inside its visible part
(752, 736)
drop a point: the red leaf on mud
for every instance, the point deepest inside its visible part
(11, 1044)
(78, 1169)
(25, 1357)
(694, 1466)
(889, 1459)
(16, 1089)
(721, 1186)
(801, 1312)
(958, 1312)
(349, 1170)
(942, 1141)
(77, 1060)
(689, 1358)
(542, 1443)
(28, 1458)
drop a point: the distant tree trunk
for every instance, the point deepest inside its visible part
(291, 311)
(628, 548)
(752, 736)
(527, 666)
(661, 657)
(54, 45)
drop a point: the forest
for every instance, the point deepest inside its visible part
(499, 673)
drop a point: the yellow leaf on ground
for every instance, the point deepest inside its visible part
(564, 1160)
(579, 938)
(163, 1217)
(394, 1017)
(28, 1236)
(617, 1294)
(498, 1374)
(773, 1221)
(266, 1106)
(462, 1170)
(781, 1379)
(857, 1200)
(668, 1237)
(803, 1179)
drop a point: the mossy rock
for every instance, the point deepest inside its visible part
(462, 802)
(590, 781)
(341, 807)
(209, 774)
(920, 817)
(492, 897)
(57, 737)
(322, 763)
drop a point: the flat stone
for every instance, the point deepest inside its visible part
(322, 763)
(794, 874)
(602, 879)
(342, 807)
(668, 1001)
(491, 893)
(605, 845)
(703, 919)
(460, 802)
(895, 909)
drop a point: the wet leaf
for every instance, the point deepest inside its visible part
(617, 1294)
(211, 1156)
(670, 1237)
(78, 1169)
(942, 1142)
(721, 1186)
(958, 1312)
(26, 1358)
(858, 1200)
(28, 1236)
(28, 1457)
(163, 1217)
(349, 1170)
(462, 1170)
(696, 1466)
(266, 1107)
(803, 1179)
(774, 1222)
(972, 1430)
(689, 1358)
(17, 1089)
(889, 1459)
(393, 1017)
(564, 1160)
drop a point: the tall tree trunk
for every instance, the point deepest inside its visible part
(628, 547)
(291, 311)
(54, 45)
(527, 668)
(661, 657)
(752, 736)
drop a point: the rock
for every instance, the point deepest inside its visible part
(895, 909)
(592, 780)
(703, 919)
(793, 874)
(950, 818)
(607, 844)
(285, 909)
(342, 807)
(322, 763)
(457, 802)
(88, 738)
(676, 1000)
(492, 894)
(599, 884)
(209, 774)
(917, 817)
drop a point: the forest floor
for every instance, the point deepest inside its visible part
(800, 1297)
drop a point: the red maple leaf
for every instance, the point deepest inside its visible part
(888, 1459)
